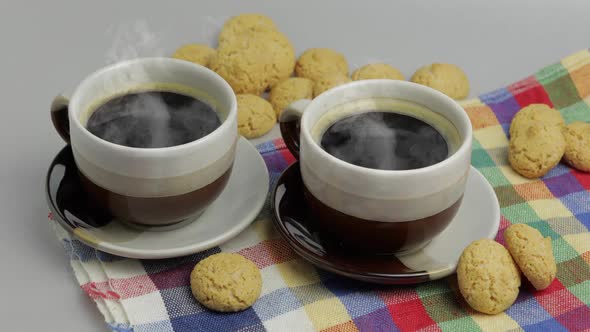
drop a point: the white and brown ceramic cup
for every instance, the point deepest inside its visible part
(151, 186)
(372, 210)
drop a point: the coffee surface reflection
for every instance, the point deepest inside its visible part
(385, 140)
(153, 119)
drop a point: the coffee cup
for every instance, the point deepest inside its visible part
(151, 186)
(386, 194)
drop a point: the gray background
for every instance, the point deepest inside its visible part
(49, 46)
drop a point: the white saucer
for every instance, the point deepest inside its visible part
(235, 208)
(478, 217)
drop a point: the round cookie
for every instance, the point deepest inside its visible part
(281, 54)
(288, 91)
(377, 71)
(488, 278)
(536, 150)
(533, 254)
(255, 61)
(535, 113)
(317, 62)
(329, 81)
(255, 116)
(236, 25)
(196, 53)
(577, 145)
(444, 77)
(226, 282)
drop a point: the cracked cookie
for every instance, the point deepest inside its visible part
(536, 150)
(444, 77)
(248, 22)
(288, 91)
(329, 81)
(256, 116)
(377, 71)
(317, 62)
(533, 254)
(534, 113)
(488, 277)
(195, 53)
(226, 282)
(255, 61)
(577, 145)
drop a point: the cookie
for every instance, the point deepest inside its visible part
(488, 278)
(535, 113)
(329, 81)
(444, 77)
(533, 254)
(226, 282)
(577, 145)
(377, 71)
(288, 91)
(256, 116)
(250, 22)
(196, 53)
(318, 62)
(536, 150)
(255, 61)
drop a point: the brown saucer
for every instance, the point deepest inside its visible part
(478, 217)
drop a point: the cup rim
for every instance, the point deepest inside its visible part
(219, 131)
(466, 140)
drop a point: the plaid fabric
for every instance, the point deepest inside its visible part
(136, 295)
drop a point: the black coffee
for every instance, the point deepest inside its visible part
(385, 140)
(153, 119)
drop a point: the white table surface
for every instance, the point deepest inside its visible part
(49, 46)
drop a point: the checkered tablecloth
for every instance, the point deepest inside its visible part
(154, 295)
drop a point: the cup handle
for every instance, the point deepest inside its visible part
(59, 117)
(290, 123)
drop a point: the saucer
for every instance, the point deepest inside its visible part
(235, 208)
(478, 217)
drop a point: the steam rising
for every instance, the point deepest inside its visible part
(146, 119)
(153, 120)
(132, 40)
(385, 140)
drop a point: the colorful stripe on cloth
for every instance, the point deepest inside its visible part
(136, 295)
